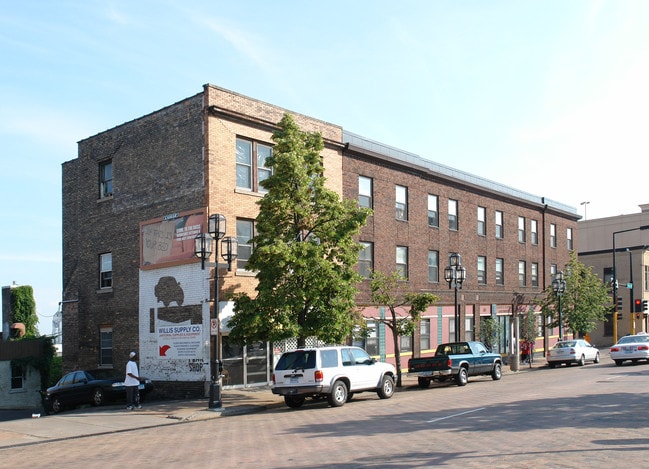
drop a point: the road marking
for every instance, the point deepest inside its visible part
(455, 415)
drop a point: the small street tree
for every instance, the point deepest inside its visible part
(23, 309)
(303, 250)
(585, 302)
(405, 307)
(490, 330)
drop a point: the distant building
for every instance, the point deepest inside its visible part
(138, 194)
(596, 238)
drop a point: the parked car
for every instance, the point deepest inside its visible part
(88, 387)
(631, 347)
(576, 351)
(336, 373)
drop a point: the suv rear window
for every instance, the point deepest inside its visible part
(299, 359)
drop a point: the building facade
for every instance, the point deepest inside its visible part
(629, 234)
(138, 194)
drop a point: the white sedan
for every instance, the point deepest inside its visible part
(631, 347)
(572, 351)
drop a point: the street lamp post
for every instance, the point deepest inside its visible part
(559, 287)
(455, 275)
(203, 250)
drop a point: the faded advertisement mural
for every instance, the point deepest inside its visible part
(170, 239)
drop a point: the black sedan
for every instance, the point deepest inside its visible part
(88, 387)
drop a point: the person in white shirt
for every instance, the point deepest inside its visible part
(132, 383)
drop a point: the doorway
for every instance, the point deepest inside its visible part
(244, 365)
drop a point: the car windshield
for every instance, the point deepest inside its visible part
(299, 359)
(632, 339)
(570, 343)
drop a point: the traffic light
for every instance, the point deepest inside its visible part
(638, 306)
(644, 305)
(619, 303)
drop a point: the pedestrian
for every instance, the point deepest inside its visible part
(132, 383)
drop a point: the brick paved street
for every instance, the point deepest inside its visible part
(592, 416)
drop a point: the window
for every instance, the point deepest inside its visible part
(452, 215)
(499, 225)
(569, 239)
(500, 275)
(535, 274)
(521, 229)
(522, 281)
(468, 328)
(646, 277)
(424, 334)
(365, 259)
(245, 233)
(406, 343)
(401, 197)
(553, 235)
(17, 376)
(433, 211)
(482, 224)
(106, 346)
(106, 270)
(105, 179)
(534, 232)
(371, 345)
(553, 270)
(402, 261)
(482, 270)
(364, 192)
(251, 160)
(433, 266)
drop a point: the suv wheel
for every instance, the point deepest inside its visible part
(338, 395)
(294, 401)
(387, 387)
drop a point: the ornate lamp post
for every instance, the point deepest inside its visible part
(455, 275)
(203, 250)
(559, 287)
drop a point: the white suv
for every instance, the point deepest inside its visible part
(333, 372)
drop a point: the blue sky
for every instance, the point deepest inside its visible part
(550, 97)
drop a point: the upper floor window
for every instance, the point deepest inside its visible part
(482, 270)
(453, 223)
(364, 191)
(522, 279)
(534, 232)
(106, 270)
(553, 235)
(402, 261)
(401, 202)
(535, 274)
(569, 239)
(106, 346)
(433, 211)
(521, 229)
(433, 266)
(245, 233)
(106, 178)
(366, 259)
(499, 225)
(482, 223)
(553, 270)
(500, 271)
(251, 164)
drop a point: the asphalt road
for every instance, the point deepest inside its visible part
(592, 416)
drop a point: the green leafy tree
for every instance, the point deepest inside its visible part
(23, 309)
(585, 302)
(304, 252)
(528, 327)
(405, 307)
(490, 330)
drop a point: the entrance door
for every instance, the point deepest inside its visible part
(244, 365)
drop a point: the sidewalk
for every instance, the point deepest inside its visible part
(108, 419)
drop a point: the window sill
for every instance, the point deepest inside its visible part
(105, 199)
(105, 290)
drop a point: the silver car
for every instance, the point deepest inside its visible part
(631, 347)
(576, 351)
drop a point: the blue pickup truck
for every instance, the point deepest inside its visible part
(456, 360)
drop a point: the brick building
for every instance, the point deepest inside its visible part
(138, 194)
